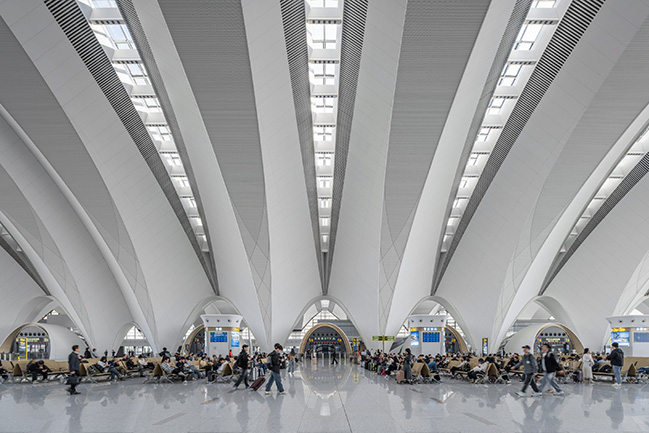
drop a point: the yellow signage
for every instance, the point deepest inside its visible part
(618, 329)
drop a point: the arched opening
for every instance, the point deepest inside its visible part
(560, 338)
(454, 341)
(134, 343)
(28, 342)
(324, 310)
(325, 338)
(40, 341)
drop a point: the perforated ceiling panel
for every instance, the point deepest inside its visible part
(438, 37)
(75, 26)
(351, 49)
(130, 16)
(213, 48)
(294, 22)
(576, 20)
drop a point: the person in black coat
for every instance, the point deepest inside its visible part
(74, 365)
(39, 369)
(549, 366)
(242, 363)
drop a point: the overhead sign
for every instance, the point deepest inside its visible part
(485, 346)
(383, 338)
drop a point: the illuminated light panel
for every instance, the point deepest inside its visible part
(134, 77)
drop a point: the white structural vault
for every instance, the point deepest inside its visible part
(481, 159)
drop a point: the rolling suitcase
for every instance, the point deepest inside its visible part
(258, 383)
(401, 376)
(578, 376)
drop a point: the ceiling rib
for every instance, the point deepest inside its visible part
(293, 20)
(351, 48)
(574, 24)
(75, 26)
(129, 13)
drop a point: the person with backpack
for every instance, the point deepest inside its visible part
(530, 368)
(242, 363)
(549, 367)
(617, 361)
(274, 365)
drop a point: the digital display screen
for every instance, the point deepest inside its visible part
(414, 338)
(430, 337)
(235, 339)
(620, 337)
(641, 337)
(218, 337)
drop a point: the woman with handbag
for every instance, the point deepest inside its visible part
(74, 364)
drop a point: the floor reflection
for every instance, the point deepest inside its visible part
(320, 398)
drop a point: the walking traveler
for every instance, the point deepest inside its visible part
(275, 364)
(74, 364)
(549, 367)
(530, 368)
(242, 363)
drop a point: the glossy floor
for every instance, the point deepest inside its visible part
(321, 399)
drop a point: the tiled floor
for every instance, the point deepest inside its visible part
(321, 399)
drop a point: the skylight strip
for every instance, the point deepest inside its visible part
(115, 36)
(615, 177)
(323, 31)
(511, 83)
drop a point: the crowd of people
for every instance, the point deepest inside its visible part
(251, 366)
(527, 366)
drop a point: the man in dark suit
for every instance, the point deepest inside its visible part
(74, 364)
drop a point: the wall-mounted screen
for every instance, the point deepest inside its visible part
(430, 337)
(641, 337)
(414, 338)
(620, 337)
(235, 339)
(218, 337)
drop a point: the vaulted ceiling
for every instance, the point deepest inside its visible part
(161, 156)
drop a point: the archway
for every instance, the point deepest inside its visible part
(60, 339)
(195, 341)
(343, 337)
(463, 348)
(530, 334)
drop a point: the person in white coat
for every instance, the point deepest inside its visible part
(587, 365)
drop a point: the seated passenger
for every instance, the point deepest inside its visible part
(104, 367)
(39, 368)
(3, 372)
(432, 366)
(480, 368)
(461, 366)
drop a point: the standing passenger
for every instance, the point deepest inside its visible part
(407, 366)
(291, 361)
(617, 361)
(587, 365)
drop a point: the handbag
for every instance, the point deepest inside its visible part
(73, 380)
